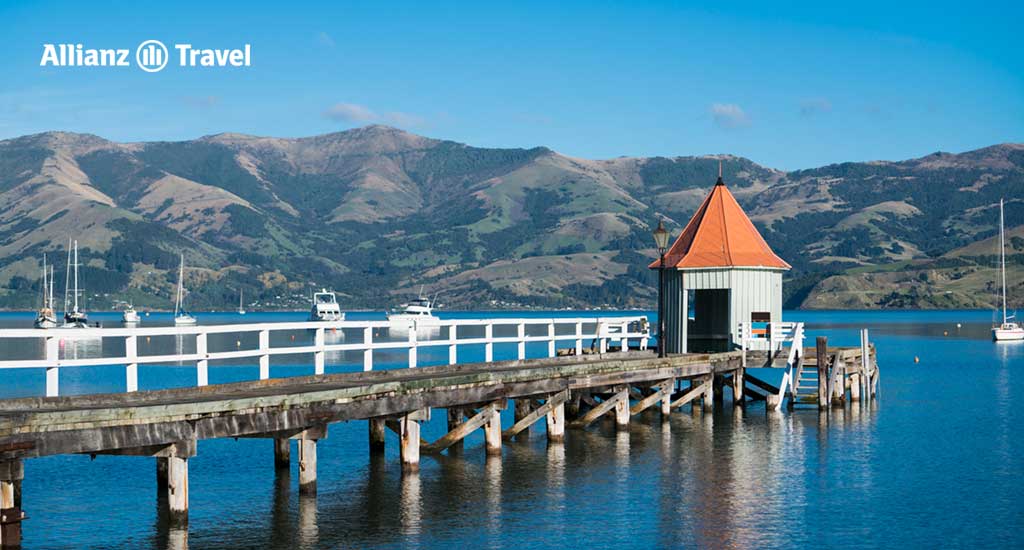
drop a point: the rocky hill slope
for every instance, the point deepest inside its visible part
(376, 213)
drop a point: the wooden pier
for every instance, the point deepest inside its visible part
(564, 392)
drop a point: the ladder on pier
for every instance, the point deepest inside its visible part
(805, 385)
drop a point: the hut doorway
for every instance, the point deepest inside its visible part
(710, 330)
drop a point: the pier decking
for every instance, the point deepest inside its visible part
(571, 391)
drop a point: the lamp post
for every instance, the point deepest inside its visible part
(661, 241)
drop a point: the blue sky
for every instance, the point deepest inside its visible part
(791, 85)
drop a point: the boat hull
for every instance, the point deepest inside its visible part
(1003, 334)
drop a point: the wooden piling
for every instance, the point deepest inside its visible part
(11, 474)
(718, 389)
(556, 423)
(737, 387)
(622, 410)
(666, 399)
(282, 453)
(522, 409)
(177, 490)
(376, 430)
(307, 466)
(492, 433)
(708, 393)
(821, 354)
(409, 436)
(855, 384)
(161, 476)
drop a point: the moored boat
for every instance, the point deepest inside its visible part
(418, 313)
(1009, 329)
(181, 316)
(74, 317)
(46, 318)
(325, 307)
(129, 316)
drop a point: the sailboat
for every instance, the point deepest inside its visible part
(46, 317)
(73, 316)
(181, 315)
(1008, 330)
(241, 308)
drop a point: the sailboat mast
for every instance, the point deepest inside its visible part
(76, 275)
(67, 278)
(51, 289)
(181, 278)
(1002, 254)
(43, 288)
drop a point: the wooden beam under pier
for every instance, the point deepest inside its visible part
(465, 428)
(601, 408)
(536, 414)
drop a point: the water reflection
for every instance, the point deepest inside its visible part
(410, 508)
(308, 531)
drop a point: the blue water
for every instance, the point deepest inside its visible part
(935, 462)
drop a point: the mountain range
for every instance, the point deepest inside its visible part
(378, 214)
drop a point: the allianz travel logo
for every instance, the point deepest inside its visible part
(151, 56)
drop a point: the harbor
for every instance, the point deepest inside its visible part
(571, 391)
(720, 319)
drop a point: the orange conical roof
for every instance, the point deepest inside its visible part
(720, 235)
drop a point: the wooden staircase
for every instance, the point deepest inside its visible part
(805, 385)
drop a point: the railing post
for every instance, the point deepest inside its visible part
(264, 354)
(821, 353)
(202, 364)
(131, 370)
(489, 345)
(743, 343)
(601, 337)
(551, 338)
(318, 355)
(521, 335)
(624, 341)
(52, 359)
(412, 346)
(865, 363)
(368, 352)
(579, 338)
(453, 336)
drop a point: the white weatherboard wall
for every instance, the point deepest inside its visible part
(750, 289)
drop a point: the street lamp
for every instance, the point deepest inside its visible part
(661, 241)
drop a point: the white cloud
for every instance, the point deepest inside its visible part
(729, 115)
(325, 39)
(353, 113)
(201, 102)
(813, 106)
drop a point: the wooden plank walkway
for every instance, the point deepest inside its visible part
(563, 391)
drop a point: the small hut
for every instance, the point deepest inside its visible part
(723, 267)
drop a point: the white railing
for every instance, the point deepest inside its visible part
(773, 339)
(605, 331)
(796, 350)
(769, 339)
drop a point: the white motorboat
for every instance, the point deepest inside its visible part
(130, 316)
(181, 315)
(73, 316)
(325, 307)
(418, 313)
(46, 318)
(1009, 329)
